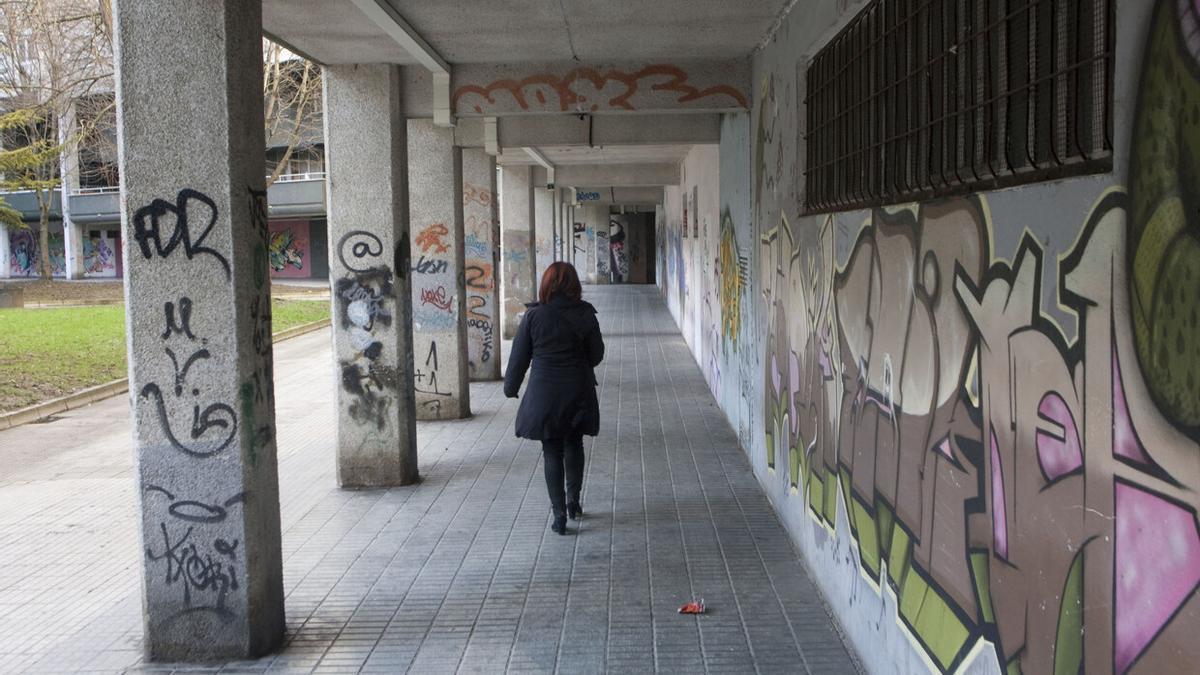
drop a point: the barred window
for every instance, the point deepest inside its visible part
(923, 98)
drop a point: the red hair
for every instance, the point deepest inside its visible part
(559, 279)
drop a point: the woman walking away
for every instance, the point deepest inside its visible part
(560, 336)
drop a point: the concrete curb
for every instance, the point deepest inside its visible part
(100, 392)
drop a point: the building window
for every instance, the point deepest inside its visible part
(923, 98)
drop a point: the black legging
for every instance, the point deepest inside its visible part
(558, 453)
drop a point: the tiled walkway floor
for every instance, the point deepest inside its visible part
(460, 572)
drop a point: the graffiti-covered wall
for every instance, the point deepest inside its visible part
(978, 416)
(692, 213)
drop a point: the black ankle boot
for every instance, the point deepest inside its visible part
(574, 510)
(560, 524)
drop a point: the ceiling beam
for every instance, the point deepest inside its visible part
(537, 156)
(398, 29)
(602, 130)
(619, 175)
(621, 87)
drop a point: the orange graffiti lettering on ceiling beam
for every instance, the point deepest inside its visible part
(567, 98)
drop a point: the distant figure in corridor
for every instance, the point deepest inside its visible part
(561, 337)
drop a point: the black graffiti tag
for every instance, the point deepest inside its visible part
(184, 325)
(199, 571)
(148, 222)
(217, 415)
(181, 373)
(361, 244)
(194, 511)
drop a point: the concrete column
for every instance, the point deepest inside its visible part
(366, 157)
(198, 321)
(560, 217)
(517, 254)
(590, 217)
(435, 187)
(603, 259)
(5, 267)
(543, 222)
(481, 252)
(68, 165)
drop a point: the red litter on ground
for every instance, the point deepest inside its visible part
(693, 607)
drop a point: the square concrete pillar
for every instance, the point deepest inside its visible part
(481, 253)
(198, 321)
(73, 233)
(556, 248)
(5, 266)
(543, 222)
(603, 253)
(441, 376)
(366, 158)
(518, 285)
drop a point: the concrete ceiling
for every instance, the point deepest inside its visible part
(575, 155)
(514, 31)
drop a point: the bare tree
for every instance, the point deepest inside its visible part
(291, 103)
(53, 54)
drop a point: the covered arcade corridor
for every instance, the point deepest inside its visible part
(459, 572)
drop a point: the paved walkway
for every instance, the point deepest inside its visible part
(458, 573)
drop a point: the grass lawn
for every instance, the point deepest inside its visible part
(46, 353)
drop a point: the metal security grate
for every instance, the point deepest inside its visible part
(923, 98)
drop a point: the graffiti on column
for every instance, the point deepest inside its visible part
(433, 284)
(516, 270)
(603, 255)
(188, 550)
(618, 252)
(425, 381)
(579, 240)
(479, 273)
(365, 299)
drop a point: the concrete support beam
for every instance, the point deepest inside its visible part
(566, 86)
(491, 136)
(198, 322)
(367, 194)
(602, 130)
(619, 175)
(435, 192)
(543, 222)
(481, 251)
(518, 285)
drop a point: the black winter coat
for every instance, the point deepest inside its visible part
(562, 341)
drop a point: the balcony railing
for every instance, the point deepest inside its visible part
(292, 177)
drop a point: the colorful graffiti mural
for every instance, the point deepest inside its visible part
(1164, 251)
(924, 384)
(289, 251)
(23, 252)
(98, 256)
(731, 267)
